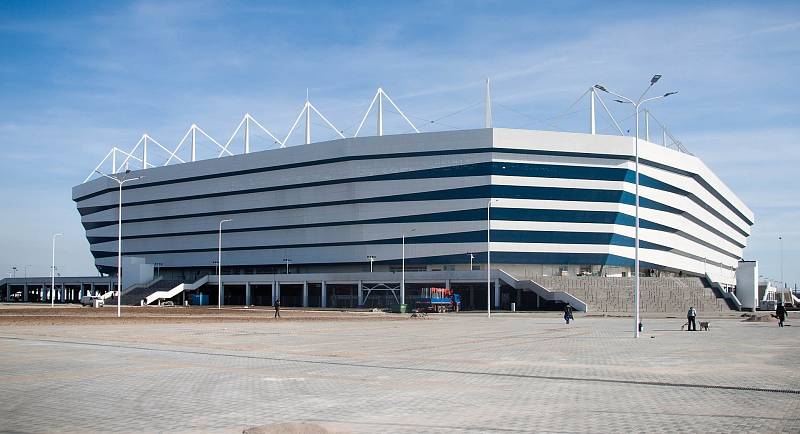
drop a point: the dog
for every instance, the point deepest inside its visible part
(703, 325)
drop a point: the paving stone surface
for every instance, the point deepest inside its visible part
(453, 373)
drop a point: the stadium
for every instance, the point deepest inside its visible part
(559, 205)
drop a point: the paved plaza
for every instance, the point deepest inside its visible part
(383, 373)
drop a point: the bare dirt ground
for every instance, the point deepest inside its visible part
(32, 315)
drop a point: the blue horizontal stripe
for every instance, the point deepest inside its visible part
(552, 193)
(497, 235)
(543, 169)
(506, 214)
(478, 169)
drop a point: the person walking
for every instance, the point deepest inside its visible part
(780, 312)
(568, 313)
(277, 305)
(691, 315)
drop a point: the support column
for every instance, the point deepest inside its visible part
(305, 293)
(380, 112)
(92, 289)
(277, 290)
(308, 121)
(471, 297)
(488, 106)
(360, 294)
(63, 293)
(496, 293)
(222, 294)
(324, 294)
(25, 292)
(194, 142)
(247, 134)
(80, 292)
(247, 294)
(591, 111)
(447, 283)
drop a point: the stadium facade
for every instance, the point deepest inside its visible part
(558, 204)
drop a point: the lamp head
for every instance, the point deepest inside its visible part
(655, 79)
(621, 101)
(669, 93)
(599, 87)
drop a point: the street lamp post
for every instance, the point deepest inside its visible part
(471, 257)
(287, 261)
(14, 272)
(636, 104)
(120, 181)
(219, 264)
(403, 271)
(371, 260)
(780, 241)
(53, 273)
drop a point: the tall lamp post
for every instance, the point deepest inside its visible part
(53, 273)
(219, 264)
(403, 271)
(636, 104)
(371, 259)
(119, 180)
(780, 241)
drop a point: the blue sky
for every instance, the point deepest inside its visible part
(77, 78)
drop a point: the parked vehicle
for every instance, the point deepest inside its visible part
(88, 300)
(438, 300)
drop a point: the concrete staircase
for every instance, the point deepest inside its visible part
(657, 294)
(171, 291)
(133, 295)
